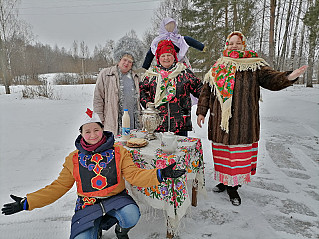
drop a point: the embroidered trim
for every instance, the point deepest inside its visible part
(99, 181)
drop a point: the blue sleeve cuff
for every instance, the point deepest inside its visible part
(159, 175)
(25, 204)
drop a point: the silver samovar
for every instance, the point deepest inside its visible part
(151, 120)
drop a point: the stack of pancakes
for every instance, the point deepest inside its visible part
(136, 143)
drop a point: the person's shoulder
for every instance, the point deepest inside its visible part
(181, 66)
(108, 71)
(69, 158)
(120, 149)
(135, 74)
(73, 152)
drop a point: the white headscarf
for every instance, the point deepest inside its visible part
(176, 38)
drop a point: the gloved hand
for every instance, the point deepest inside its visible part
(14, 207)
(169, 172)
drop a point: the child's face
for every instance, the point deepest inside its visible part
(235, 43)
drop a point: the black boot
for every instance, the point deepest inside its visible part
(233, 195)
(219, 188)
(99, 234)
(121, 233)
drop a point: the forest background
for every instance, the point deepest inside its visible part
(284, 32)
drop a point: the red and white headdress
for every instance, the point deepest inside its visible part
(90, 117)
(165, 46)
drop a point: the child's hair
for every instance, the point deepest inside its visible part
(99, 123)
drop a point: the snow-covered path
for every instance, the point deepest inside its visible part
(282, 201)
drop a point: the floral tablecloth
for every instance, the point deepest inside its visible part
(171, 195)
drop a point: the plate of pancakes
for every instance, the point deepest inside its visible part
(136, 143)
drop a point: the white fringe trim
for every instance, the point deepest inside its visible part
(241, 64)
(160, 95)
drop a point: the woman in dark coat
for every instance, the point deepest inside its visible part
(231, 92)
(169, 85)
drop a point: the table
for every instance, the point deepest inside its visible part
(171, 195)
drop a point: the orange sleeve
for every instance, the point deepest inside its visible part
(135, 175)
(56, 189)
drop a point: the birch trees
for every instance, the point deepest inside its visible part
(311, 20)
(11, 31)
(284, 32)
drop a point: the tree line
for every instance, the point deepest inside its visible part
(285, 33)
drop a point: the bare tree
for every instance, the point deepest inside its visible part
(262, 27)
(169, 8)
(103, 55)
(75, 48)
(311, 20)
(272, 32)
(294, 39)
(285, 36)
(12, 31)
(132, 34)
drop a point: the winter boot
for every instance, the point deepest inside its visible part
(99, 234)
(219, 188)
(121, 233)
(233, 195)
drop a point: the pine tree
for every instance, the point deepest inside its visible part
(210, 21)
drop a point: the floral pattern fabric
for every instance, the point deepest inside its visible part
(172, 194)
(224, 74)
(167, 85)
(179, 106)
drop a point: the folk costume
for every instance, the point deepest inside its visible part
(231, 92)
(98, 170)
(170, 90)
(181, 43)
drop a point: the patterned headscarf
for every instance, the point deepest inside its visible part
(241, 36)
(221, 76)
(165, 46)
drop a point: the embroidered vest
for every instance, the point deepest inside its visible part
(98, 174)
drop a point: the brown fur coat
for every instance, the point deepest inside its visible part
(244, 125)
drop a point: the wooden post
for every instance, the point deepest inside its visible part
(194, 193)
(169, 235)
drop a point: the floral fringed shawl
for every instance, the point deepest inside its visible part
(221, 77)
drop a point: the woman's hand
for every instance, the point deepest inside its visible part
(296, 73)
(200, 120)
(18, 205)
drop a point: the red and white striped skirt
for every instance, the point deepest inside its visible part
(234, 163)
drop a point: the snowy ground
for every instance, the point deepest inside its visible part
(282, 201)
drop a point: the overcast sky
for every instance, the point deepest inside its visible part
(92, 21)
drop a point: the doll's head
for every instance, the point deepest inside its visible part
(168, 24)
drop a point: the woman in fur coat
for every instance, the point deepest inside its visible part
(231, 93)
